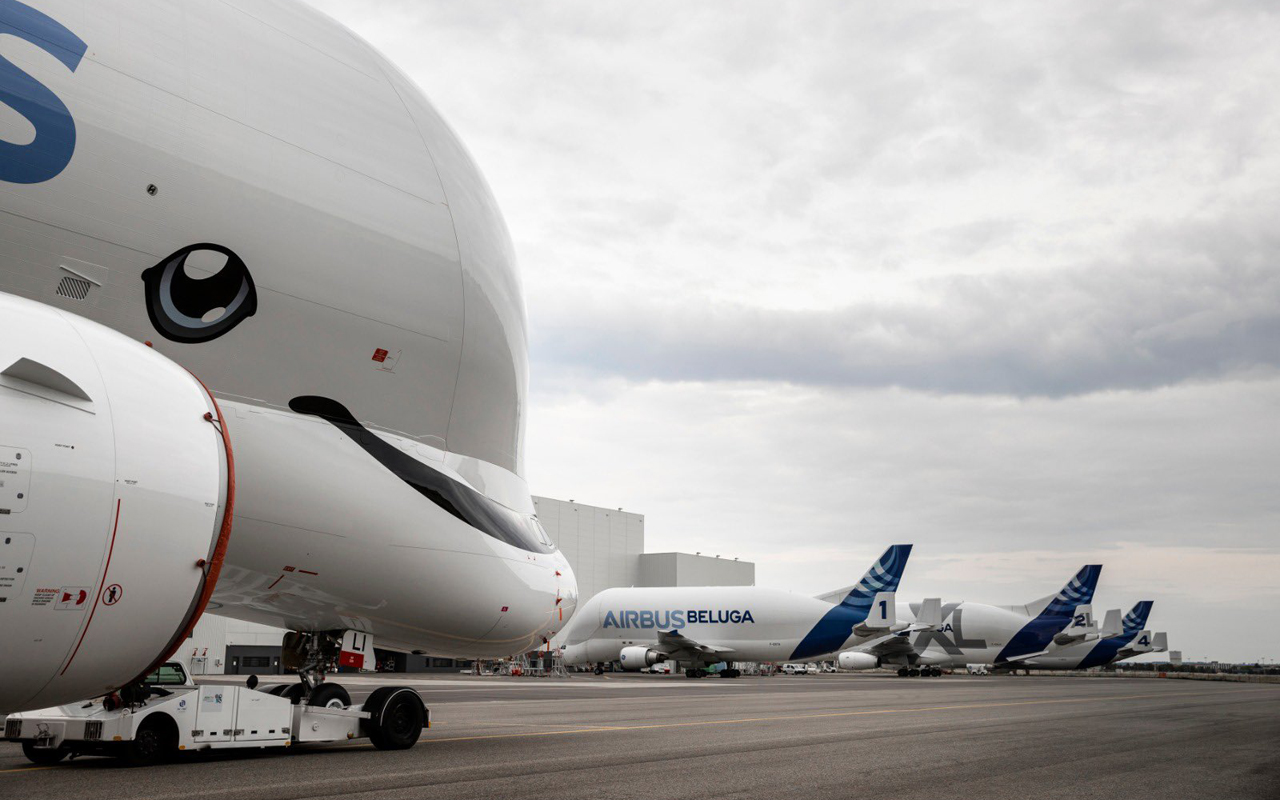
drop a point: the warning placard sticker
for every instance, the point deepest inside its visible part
(385, 359)
(72, 597)
(15, 478)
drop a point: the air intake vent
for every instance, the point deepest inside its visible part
(75, 288)
(12, 728)
(93, 730)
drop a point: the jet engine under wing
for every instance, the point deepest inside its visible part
(678, 647)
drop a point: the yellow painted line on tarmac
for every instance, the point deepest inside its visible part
(23, 769)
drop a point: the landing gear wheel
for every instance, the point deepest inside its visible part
(295, 692)
(44, 756)
(278, 689)
(397, 718)
(937, 672)
(730, 673)
(913, 672)
(155, 741)
(903, 672)
(329, 695)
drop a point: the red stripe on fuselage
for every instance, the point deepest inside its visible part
(97, 595)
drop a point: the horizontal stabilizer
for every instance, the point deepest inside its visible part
(1142, 643)
(1082, 628)
(882, 617)
(1160, 642)
(1111, 624)
(930, 614)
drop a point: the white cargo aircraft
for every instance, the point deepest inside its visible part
(975, 633)
(1119, 639)
(245, 196)
(707, 625)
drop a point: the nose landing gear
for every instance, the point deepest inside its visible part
(397, 714)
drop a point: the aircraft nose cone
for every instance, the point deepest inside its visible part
(568, 591)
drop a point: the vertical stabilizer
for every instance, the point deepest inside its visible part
(1078, 591)
(836, 626)
(1051, 615)
(1136, 619)
(1111, 625)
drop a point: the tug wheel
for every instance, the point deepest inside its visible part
(44, 756)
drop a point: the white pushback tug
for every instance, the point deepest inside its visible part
(172, 714)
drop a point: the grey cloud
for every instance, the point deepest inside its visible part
(1196, 306)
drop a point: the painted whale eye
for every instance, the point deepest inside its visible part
(199, 293)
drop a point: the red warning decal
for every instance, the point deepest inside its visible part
(385, 359)
(112, 594)
(72, 597)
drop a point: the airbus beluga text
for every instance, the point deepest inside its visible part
(262, 350)
(703, 626)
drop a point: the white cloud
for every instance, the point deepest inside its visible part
(804, 278)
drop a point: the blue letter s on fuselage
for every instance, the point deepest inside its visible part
(50, 152)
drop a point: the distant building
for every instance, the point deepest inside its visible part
(605, 547)
(683, 569)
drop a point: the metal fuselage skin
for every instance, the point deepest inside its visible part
(384, 280)
(970, 633)
(752, 623)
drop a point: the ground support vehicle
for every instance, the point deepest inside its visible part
(171, 714)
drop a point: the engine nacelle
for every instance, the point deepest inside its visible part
(852, 659)
(634, 658)
(115, 487)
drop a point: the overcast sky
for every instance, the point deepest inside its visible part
(807, 279)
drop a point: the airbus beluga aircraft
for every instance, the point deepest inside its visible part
(262, 350)
(1005, 637)
(707, 625)
(1120, 639)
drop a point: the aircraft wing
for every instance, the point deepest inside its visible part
(679, 647)
(1025, 657)
(891, 645)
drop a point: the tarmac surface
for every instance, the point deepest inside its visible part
(811, 736)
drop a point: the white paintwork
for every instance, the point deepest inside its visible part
(139, 444)
(267, 128)
(207, 717)
(708, 624)
(854, 660)
(978, 633)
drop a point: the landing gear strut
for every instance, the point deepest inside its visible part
(312, 654)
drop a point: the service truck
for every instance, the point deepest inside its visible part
(172, 714)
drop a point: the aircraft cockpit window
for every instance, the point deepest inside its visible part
(540, 532)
